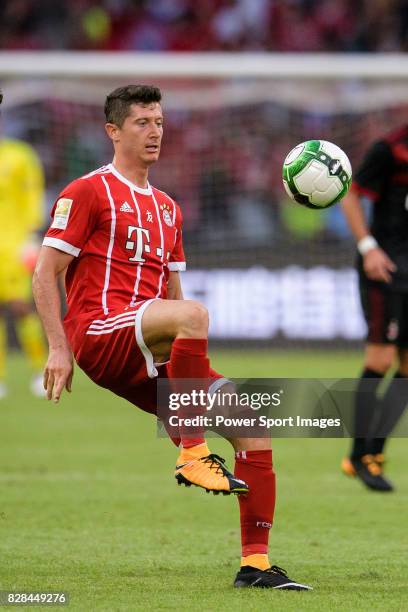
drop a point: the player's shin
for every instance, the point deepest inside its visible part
(392, 407)
(189, 377)
(189, 373)
(257, 508)
(365, 410)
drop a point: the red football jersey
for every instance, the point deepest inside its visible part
(125, 241)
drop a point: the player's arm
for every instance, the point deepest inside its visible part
(369, 180)
(174, 290)
(377, 265)
(59, 368)
(74, 218)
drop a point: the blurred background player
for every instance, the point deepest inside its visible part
(383, 278)
(21, 214)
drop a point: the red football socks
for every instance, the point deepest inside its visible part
(257, 508)
(188, 360)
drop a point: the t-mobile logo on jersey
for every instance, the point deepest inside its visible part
(139, 242)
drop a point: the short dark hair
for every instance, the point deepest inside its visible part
(119, 101)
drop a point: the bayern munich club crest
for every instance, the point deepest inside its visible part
(166, 215)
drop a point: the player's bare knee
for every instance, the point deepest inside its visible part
(193, 321)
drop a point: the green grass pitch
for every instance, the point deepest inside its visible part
(89, 505)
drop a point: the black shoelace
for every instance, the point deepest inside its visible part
(216, 463)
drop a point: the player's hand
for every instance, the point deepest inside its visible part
(378, 266)
(58, 373)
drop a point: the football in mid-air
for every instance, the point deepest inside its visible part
(316, 174)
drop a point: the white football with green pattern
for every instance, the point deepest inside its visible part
(316, 174)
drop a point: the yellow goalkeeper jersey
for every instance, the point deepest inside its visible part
(21, 194)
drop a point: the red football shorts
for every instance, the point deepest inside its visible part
(112, 352)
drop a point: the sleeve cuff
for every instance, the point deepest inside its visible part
(176, 266)
(61, 245)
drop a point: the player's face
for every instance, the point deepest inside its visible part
(141, 133)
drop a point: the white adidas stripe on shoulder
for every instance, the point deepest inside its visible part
(102, 170)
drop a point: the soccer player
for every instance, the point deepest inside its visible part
(120, 242)
(383, 278)
(21, 214)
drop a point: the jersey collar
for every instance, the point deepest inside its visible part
(121, 178)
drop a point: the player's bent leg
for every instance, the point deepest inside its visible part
(129, 348)
(178, 329)
(165, 320)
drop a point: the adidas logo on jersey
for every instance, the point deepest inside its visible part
(126, 208)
